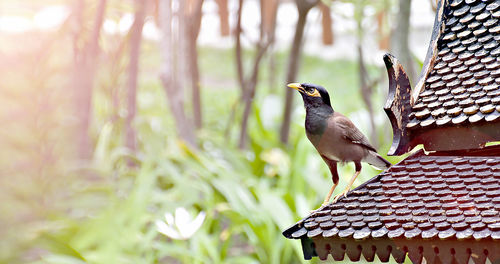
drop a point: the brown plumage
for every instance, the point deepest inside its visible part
(334, 136)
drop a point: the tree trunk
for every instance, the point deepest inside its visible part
(400, 47)
(268, 13)
(366, 93)
(133, 69)
(238, 54)
(249, 93)
(271, 13)
(383, 34)
(326, 24)
(366, 85)
(249, 85)
(223, 16)
(83, 76)
(193, 22)
(239, 66)
(244, 85)
(168, 72)
(244, 121)
(303, 7)
(96, 31)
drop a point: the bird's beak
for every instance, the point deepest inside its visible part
(296, 86)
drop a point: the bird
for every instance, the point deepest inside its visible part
(335, 137)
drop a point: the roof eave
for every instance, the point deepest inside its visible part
(438, 251)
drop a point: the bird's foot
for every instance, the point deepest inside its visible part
(319, 209)
(325, 203)
(343, 193)
(312, 212)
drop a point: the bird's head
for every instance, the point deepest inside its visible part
(312, 94)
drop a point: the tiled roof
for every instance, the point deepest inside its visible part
(430, 197)
(462, 86)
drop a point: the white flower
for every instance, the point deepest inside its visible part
(181, 226)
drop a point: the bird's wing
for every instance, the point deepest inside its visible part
(352, 133)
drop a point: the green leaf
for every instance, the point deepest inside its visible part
(276, 208)
(58, 246)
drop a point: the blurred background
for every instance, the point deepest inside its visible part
(162, 131)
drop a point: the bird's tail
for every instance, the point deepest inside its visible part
(374, 159)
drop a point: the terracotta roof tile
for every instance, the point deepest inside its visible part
(421, 197)
(463, 85)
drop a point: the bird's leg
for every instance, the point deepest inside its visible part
(327, 198)
(348, 187)
(332, 165)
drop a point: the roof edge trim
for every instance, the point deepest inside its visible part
(397, 107)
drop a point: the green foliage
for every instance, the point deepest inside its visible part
(105, 211)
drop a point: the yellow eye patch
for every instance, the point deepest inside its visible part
(313, 93)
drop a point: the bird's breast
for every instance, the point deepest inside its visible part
(314, 138)
(316, 122)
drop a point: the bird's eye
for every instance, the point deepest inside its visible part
(310, 90)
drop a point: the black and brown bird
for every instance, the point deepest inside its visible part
(334, 136)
